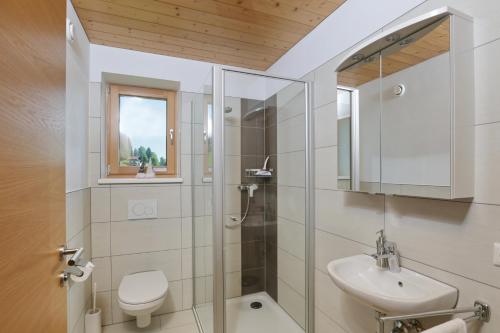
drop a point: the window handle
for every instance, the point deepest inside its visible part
(171, 131)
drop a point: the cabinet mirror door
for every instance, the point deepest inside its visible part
(416, 113)
(358, 126)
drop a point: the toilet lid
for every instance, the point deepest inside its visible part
(143, 287)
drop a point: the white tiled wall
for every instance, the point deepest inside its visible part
(291, 201)
(449, 241)
(77, 191)
(121, 246)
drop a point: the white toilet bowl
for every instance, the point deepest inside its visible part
(140, 294)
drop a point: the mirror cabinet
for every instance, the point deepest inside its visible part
(405, 110)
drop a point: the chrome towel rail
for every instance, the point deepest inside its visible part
(481, 312)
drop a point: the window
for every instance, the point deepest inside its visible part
(141, 128)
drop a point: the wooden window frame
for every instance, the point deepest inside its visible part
(113, 129)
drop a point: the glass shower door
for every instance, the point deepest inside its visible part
(261, 194)
(201, 201)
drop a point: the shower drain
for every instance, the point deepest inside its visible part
(256, 305)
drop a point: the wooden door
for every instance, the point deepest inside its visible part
(32, 190)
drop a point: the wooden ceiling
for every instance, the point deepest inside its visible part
(245, 33)
(426, 46)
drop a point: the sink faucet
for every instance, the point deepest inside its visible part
(387, 255)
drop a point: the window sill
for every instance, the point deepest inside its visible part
(158, 180)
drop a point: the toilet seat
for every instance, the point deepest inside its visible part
(142, 288)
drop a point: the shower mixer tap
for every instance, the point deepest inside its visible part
(250, 188)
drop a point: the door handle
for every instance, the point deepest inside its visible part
(171, 132)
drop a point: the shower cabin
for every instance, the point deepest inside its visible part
(253, 251)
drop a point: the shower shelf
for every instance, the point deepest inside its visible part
(252, 173)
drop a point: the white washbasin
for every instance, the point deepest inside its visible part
(405, 292)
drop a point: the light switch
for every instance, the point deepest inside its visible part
(496, 254)
(142, 209)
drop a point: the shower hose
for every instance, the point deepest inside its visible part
(236, 221)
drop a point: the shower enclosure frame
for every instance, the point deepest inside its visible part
(218, 94)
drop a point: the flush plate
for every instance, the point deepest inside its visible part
(142, 209)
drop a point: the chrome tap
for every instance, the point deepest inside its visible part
(387, 255)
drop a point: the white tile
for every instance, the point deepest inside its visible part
(232, 201)
(199, 201)
(231, 288)
(131, 326)
(77, 212)
(199, 290)
(198, 139)
(291, 203)
(173, 302)
(469, 291)
(232, 140)
(208, 253)
(458, 236)
(232, 285)
(78, 294)
(292, 302)
(187, 100)
(101, 275)
(356, 216)
(325, 125)
(186, 201)
(323, 324)
(232, 118)
(80, 325)
(326, 168)
(101, 239)
(145, 236)
(232, 257)
(187, 294)
(95, 99)
(200, 103)
(94, 168)
(486, 95)
(100, 204)
(291, 169)
(190, 328)
(187, 263)
(187, 232)
(330, 247)
(198, 174)
(292, 271)
(200, 263)
(487, 184)
(103, 301)
(177, 319)
(232, 169)
(291, 237)
(291, 134)
(325, 84)
(231, 234)
(339, 307)
(186, 137)
(94, 135)
(167, 261)
(201, 230)
(186, 174)
(290, 101)
(168, 196)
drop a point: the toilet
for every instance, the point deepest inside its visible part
(142, 293)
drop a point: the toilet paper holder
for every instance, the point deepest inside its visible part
(73, 264)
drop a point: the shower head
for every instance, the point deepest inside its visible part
(228, 109)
